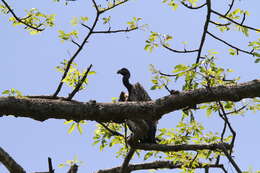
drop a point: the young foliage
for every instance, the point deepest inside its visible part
(12, 92)
(36, 19)
(74, 75)
(75, 124)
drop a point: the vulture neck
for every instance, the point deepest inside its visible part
(127, 83)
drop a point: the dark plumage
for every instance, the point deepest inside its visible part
(143, 130)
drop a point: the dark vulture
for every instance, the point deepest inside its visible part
(142, 130)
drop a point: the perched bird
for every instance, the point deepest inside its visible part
(143, 130)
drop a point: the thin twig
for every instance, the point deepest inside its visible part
(77, 88)
(220, 24)
(203, 38)
(20, 19)
(96, 7)
(86, 26)
(75, 43)
(231, 20)
(231, 159)
(230, 7)
(191, 7)
(180, 51)
(230, 45)
(51, 170)
(115, 133)
(114, 31)
(75, 55)
(109, 8)
(225, 118)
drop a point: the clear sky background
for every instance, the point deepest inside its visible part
(28, 64)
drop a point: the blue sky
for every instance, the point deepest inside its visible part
(28, 64)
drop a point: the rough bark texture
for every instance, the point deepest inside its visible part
(43, 109)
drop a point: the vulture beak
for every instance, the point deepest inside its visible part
(119, 71)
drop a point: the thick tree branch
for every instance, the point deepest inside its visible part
(10, 163)
(43, 109)
(181, 147)
(159, 165)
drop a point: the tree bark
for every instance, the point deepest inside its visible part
(42, 109)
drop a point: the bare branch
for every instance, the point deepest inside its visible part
(179, 51)
(114, 31)
(191, 7)
(51, 170)
(230, 45)
(89, 28)
(20, 19)
(10, 163)
(206, 24)
(230, 7)
(95, 5)
(78, 45)
(224, 149)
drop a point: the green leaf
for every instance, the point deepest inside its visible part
(7, 92)
(257, 60)
(91, 72)
(61, 165)
(79, 128)
(67, 122)
(72, 127)
(84, 19)
(74, 21)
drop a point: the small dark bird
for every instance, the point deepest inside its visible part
(144, 130)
